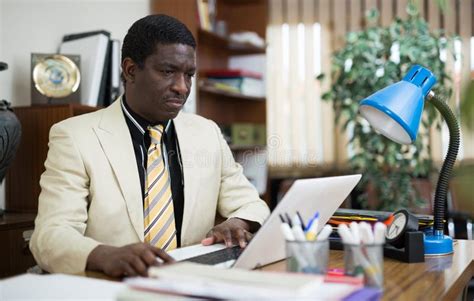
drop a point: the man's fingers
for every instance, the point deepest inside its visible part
(240, 237)
(127, 270)
(163, 255)
(139, 266)
(227, 236)
(148, 257)
(208, 241)
(248, 236)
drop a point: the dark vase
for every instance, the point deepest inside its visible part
(10, 134)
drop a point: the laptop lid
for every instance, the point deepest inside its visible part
(306, 196)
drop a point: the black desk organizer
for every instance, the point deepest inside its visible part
(413, 252)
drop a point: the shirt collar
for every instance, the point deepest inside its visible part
(140, 123)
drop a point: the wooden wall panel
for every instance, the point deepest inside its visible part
(434, 15)
(22, 182)
(401, 8)
(386, 12)
(356, 16)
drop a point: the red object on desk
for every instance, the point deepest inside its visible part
(337, 277)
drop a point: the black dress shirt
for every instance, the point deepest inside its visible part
(141, 141)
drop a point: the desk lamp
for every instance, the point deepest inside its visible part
(395, 112)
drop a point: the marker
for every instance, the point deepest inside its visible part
(355, 232)
(345, 234)
(379, 233)
(296, 221)
(286, 231)
(366, 234)
(324, 234)
(298, 233)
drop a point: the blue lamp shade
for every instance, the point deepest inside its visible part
(395, 111)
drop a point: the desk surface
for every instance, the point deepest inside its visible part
(437, 278)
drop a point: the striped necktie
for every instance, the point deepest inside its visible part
(158, 216)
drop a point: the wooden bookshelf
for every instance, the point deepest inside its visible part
(228, 94)
(214, 52)
(208, 37)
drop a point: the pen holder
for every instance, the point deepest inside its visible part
(366, 260)
(307, 256)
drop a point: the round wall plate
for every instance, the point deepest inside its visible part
(56, 76)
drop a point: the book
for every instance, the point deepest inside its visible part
(93, 50)
(245, 85)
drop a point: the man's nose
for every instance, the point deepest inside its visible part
(180, 86)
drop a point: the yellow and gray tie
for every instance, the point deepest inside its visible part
(158, 216)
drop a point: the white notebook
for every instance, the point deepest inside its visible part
(93, 52)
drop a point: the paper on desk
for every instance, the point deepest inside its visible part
(194, 250)
(58, 287)
(206, 281)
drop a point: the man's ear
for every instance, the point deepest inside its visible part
(129, 68)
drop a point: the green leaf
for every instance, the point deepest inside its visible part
(387, 166)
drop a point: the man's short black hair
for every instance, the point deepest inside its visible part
(145, 34)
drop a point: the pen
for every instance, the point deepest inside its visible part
(282, 218)
(312, 227)
(296, 221)
(288, 220)
(315, 218)
(301, 220)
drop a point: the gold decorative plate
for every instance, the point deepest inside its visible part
(56, 76)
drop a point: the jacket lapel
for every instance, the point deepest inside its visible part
(187, 144)
(114, 137)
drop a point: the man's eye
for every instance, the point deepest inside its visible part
(167, 72)
(190, 75)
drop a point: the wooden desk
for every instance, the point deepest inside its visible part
(437, 278)
(441, 278)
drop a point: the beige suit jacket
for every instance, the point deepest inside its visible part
(91, 193)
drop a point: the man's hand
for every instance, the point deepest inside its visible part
(129, 260)
(232, 231)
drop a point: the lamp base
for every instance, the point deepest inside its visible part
(438, 244)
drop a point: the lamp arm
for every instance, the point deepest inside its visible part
(445, 173)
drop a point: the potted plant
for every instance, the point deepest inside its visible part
(370, 60)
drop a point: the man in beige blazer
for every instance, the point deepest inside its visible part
(91, 206)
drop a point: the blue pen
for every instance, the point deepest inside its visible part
(311, 221)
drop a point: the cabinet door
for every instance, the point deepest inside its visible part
(15, 255)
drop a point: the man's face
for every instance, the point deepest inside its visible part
(162, 86)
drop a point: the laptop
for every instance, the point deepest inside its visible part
(268, 245)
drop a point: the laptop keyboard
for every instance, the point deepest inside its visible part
(218, 256)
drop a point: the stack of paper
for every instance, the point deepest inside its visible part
(58, 287)
(190, 279)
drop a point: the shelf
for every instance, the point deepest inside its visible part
(214, 91)
(210, 38)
